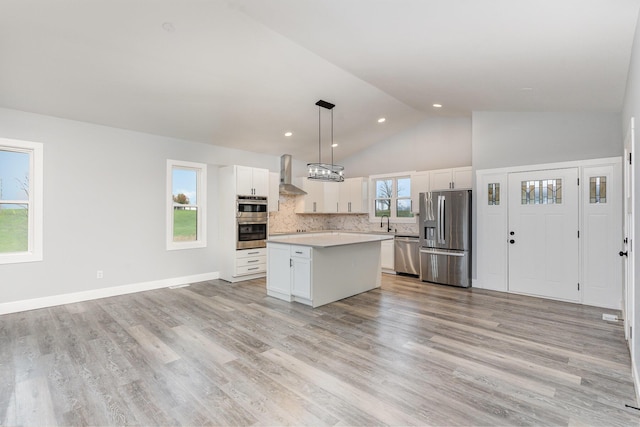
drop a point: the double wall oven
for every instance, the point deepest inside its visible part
(251, 222)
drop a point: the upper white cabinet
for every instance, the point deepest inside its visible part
(419, 184)
(252, 181)
(449, 179)
(331, 196)
(352, 196)
(313, 201)
(274, 192)
(349, 196)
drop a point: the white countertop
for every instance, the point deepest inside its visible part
(325, 240)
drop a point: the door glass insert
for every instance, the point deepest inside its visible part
(541, 192)
(598, 189)
(494, 194)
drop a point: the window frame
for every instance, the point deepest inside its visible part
(34, 250)
(201, 205)
(394, 199)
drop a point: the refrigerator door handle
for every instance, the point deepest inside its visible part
(436, 252)
(438, 218)
(441, 209)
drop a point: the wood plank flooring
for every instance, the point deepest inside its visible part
(410, 353)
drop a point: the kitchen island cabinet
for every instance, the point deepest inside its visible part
(316, 269)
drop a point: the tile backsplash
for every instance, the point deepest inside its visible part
(287, 221)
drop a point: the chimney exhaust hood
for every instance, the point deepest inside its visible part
(286, 187)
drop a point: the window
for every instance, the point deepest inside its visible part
(542, 192)
(392, 197)
(598, 189)
(20, 201)
(186, 205)
(493, 192)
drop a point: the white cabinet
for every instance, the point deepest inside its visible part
(274, 192)
(237, 180)
(313, 201)
(448, 179)
(331, 196)
(289, 273)
(252, 181)
(301, 271)
(462, 178)
(387, 257)
(353, 196)
(279, 271)
(251, 261)
(349, 196)
(419, 184)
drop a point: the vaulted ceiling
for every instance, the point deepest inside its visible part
(241, 73)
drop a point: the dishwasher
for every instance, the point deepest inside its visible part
(406, 255)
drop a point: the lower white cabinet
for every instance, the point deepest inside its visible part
(279, 271)
(387, 256)
(289, 273)
(301, 272)
(251, 261)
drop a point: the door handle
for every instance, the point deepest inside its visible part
(512, 241)
(625, 253)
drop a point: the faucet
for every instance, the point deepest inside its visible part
(388, 225)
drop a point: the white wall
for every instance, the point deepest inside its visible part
(436, 143)
(503, 139)
(104, 207)
(632, 109)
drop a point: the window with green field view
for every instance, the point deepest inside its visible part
(393, 197)
(20, 234)
(186, 181)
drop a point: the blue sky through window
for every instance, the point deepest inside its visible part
(14, 175)
(185, 181)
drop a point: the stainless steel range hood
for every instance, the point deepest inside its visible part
(286, 187)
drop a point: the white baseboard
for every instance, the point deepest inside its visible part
(33, 304)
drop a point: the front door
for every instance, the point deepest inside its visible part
(543, 233)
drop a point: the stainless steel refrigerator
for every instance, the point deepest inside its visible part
(445, 237)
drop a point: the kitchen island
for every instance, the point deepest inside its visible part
(319, 268)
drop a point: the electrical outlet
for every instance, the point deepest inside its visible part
(609, 317)
(99, 274)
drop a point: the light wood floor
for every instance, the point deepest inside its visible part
(410, 353)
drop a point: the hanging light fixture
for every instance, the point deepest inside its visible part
(325, 171)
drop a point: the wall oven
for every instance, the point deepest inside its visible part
(251, 222)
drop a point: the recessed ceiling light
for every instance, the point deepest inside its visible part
(288, 133)
(382, 120)
(437, 105)
(334, 145)
(168, 27)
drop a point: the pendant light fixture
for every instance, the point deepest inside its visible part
(325, 171)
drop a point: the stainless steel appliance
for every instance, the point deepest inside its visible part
(286, 186)
(251, 222)
(406, 255)
(445, 237)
